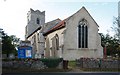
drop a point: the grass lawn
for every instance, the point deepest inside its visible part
(72, 64)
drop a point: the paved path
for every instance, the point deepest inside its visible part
(75, 70)
(85, 73)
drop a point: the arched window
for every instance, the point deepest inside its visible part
(38, 21)
(83, 34)
(57, 41)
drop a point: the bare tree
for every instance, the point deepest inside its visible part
(116, 27)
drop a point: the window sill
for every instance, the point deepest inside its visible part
(83, 48)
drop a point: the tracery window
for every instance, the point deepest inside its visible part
(83, 34)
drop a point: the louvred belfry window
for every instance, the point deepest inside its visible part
(38, 21)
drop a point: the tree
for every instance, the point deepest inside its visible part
(15, 40)
(116, 27)
(113, 46)
(9, 44)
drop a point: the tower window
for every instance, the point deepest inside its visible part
(83, 34)
(38, 21)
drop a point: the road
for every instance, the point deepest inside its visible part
(72, 73)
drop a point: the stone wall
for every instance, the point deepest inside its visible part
(71, 49)
(24, 64)
(33, 64)
(97, 63)
(49, 38)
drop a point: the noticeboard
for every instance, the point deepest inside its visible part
(25, 52)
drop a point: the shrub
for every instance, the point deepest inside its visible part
(51, 62)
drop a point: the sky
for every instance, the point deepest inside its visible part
(13, 13)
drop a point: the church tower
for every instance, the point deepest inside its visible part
(35, 19)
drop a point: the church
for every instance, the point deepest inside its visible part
(72, 38)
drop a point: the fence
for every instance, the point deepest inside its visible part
(98, 63)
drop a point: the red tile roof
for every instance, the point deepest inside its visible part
(56, 27)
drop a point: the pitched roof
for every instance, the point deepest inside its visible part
(62, 23)
(90, 16)
(46, 26)
(34, 32)
(58, 24)
(87, 12)
(56, 27)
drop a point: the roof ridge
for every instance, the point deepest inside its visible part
(53, 20)
(58, 26)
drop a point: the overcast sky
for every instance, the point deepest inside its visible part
(13, 13)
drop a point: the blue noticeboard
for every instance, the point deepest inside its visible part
(25, 52)
(21, 53)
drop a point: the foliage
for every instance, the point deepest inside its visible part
(51, 62)
(116, 27)
(111, 43)
(9, 44)
(72, 64)
(15, 40)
